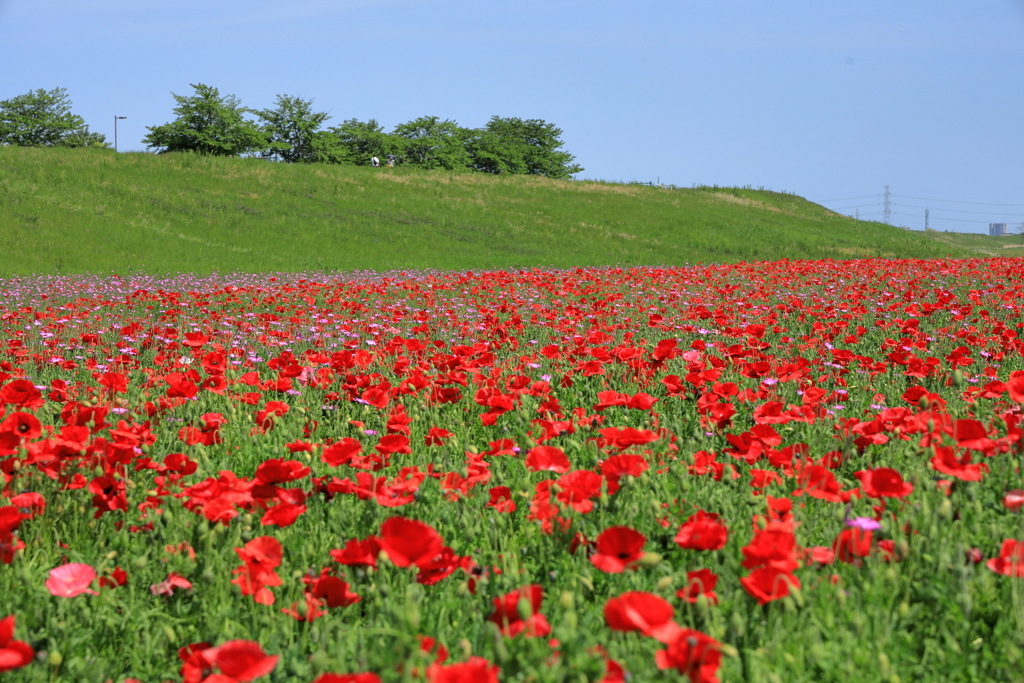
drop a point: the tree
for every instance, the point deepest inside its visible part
(1020, 230)
(208, 123)
(433, 143)
(293, 129)
(43, 118)
(516, 146)
(355, 142)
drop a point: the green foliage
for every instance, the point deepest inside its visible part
(293, 129)
(432, 143)
(184, 212)
(43, 118)
(354, 142)
(208, 123)
(516, 146)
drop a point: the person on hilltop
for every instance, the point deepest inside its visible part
(375, 162)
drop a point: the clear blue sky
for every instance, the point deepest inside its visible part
(826, 99)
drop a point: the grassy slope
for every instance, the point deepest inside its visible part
(76, 211)
(1007, 245)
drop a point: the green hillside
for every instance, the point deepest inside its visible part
(74, 211)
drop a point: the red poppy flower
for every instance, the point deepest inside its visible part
(24, 425)
(333, 591)
(242, 660)
(342, 452)
(14, 654)
(501, 499)
(71, 580)
(509, 613)
(408, 542)
(260, 557)
(884, 482)
(282, 515)
(627, 436)
(358, 553)
(547, 458)
(578, 488)
(946, 461)
(476, 670)
(692, 653)
(1010, 561)
(394, 443)
(1013, 500)
(638, 611)
(1015, 385)
(618, 466)
(437, 436)
(852, 544)
(167, 586)
(702, 531)
(366, 677)
(773, 547)
(278, 471)
(21, 393)
(769, 583)
(701, 582)
(618, 548)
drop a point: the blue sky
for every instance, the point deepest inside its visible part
(827, 99)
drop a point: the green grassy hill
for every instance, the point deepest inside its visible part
(75, 211)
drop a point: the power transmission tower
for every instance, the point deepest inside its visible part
(858, 214)
(926, 220)
(886, 207)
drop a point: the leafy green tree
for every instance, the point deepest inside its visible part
(43, 118)
(355, 142)
(513, 145)
(433, 143)
(208, 123)
(293, 129)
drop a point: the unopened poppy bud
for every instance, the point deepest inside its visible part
(728, 650)
(172, 637)
(141, 561)
(302, 608)
(649, 559)
(883, 664)
(945, 509)
(902, 547)
(904, 610)
(55, 659)
(664, 583)
(566, 600)
(738, 623)
(525, 608)
(383, 557)
(958, 382)
(798, 595)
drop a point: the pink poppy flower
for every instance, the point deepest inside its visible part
(71, 580)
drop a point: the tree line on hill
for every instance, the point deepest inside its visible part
(209, 123)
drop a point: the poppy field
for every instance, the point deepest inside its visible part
(785, 471)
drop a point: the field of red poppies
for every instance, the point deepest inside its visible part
(790, 471)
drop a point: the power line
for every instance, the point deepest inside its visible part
(953, 201)
(979, 213)
(845, 199)
(958, 220)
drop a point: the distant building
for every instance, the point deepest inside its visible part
(997, 229)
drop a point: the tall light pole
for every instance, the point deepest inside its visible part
(115, 129)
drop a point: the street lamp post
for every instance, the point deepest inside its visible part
(115, 129)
